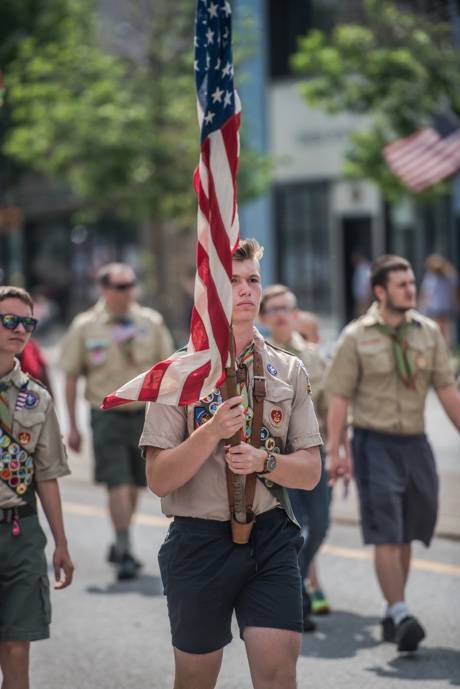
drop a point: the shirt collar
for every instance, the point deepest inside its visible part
(372, 316)
(16, 376)
(106, 316)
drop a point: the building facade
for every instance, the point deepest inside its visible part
(313, 220)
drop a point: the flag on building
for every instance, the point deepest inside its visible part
(427, 156)
(188, 377)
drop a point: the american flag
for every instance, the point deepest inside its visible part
(427, 156)
(184, 379)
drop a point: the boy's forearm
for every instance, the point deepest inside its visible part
(50, 499)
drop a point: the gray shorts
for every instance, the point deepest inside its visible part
(397, 485)
(117, 456)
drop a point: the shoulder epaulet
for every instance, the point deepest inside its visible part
(280, 349)
(38, 382)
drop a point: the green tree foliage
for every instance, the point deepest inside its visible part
(119, 127)
(397, 68)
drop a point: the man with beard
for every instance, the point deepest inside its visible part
(383, 367)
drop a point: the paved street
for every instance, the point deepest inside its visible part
(109, 635)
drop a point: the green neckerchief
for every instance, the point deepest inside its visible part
(245, 359)
(6, 416)
(405, 363)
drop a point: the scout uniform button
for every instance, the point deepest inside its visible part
(24, 438)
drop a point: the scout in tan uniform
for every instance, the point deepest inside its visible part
(278, 313)
(383, 367)
(206, 575)
(32, 457)
(112, 342)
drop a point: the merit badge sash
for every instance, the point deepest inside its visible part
(16, 465)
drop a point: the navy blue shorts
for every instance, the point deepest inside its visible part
(206, 577)
(397, 485)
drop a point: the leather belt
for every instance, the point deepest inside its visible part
(8, 513)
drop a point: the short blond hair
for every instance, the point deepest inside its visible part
(248, 250)
(13, 292)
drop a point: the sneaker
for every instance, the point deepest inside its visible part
(388, 629)
(319, 603)
(127, 568)
(308, 624)
(115, 559)
(408, 634)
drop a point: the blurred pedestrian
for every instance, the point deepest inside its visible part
(115, 340)
(360, 285)
(278, 309)
(33, 362)
(206, 574)
(307, 325)
(439, 292)
(32, 458)
(384, 365)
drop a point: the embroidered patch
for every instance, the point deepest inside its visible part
(24, 438)
(276, 416)
(271, 369)
(269, 444)
(32, 400)
(200, 416)
(21, 400)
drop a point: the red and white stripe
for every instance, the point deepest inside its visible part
(424, 158)
(186, 378)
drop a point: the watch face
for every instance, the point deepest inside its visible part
(270, 463)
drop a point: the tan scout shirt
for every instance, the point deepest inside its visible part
(36, 427)
(364, 370)
(316, 366)
(108, 354)
(288, 416)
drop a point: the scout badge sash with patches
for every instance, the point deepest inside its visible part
(16, 466)
(405, 364)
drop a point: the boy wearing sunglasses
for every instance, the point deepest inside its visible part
(32, 458)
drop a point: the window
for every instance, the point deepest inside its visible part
(304, 261)
(289, 19)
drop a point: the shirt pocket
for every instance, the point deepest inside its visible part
(377, 361)
(27, 427)
(96, 351)
(423, 359)
(277, 408)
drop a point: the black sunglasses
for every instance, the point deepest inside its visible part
(121, 286)
(11, 322)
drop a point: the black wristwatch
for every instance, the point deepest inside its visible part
(269, 464)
